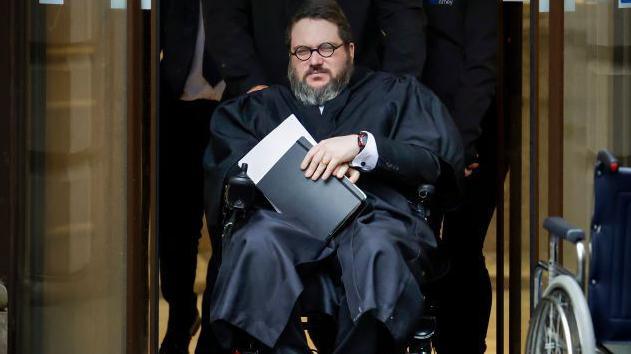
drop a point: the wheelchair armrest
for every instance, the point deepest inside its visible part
(561, 228)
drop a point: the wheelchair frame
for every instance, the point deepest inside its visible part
(561, 313)
(239, 195)
(562, 320)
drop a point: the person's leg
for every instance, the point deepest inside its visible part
(183, 135)
(377, 256)
(293, 339)
(258, 283)
(207, 341)
(466, 292)
(365, 336)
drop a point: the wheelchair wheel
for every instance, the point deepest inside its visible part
(561, 322)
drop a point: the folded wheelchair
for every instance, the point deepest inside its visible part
(239, 197)
(566, 319)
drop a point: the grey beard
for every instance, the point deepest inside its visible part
(308, 95)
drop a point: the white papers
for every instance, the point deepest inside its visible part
(269, 150)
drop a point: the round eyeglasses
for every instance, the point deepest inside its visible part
(325, 50)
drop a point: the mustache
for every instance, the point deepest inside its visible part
(316, 70)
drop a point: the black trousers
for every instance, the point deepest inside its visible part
(183, 136)
(466, 292)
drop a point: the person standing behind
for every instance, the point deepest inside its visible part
(190, 88)
(461, 69)
(246, 38)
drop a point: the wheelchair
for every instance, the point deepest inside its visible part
(239, 195)
(565, 320)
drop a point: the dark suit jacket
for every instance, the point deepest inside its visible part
(179, 23)
(461, 61)
(247, 38)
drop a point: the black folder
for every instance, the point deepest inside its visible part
(323, 207)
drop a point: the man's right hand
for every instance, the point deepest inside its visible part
(257, 88)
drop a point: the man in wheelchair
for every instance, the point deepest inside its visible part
(368, 279)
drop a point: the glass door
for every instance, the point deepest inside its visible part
(580, 65)
(79, 254)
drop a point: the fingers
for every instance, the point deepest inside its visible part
(308, 157)
(332, 166)
(468, 171)
(473, 166)
(341, 170)
(319, 170)
(313, 165)
(257, 88)
(353, 175)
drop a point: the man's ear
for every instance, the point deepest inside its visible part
(351, 51)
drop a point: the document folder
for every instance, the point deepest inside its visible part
(322, 207)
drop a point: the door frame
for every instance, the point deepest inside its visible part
(11, 136)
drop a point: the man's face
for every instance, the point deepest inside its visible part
(319, 76)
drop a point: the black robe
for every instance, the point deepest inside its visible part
(381, 250)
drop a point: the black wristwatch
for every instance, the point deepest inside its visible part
(362, 140)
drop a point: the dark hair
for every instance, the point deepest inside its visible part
(327, 10)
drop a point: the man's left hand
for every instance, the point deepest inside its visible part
(327, 155)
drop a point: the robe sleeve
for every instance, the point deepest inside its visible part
(478, 80)
(423, 145)
(233, 134)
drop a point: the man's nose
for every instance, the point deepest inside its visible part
(316, 59)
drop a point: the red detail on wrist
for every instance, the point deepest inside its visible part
(362, 139)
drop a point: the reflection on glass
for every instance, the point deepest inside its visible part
(73, 277)
(597, 109)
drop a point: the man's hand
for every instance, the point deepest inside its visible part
(257, 88)
(469, 169)
(324, 158)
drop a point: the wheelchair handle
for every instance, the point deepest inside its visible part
(239, 195)
(240, 191)
(606, 162)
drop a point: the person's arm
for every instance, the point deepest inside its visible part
(403, 24)
(232, 45)
(409, 164)
(423, 146)
(478, 80)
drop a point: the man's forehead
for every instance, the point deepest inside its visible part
(313, 32)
